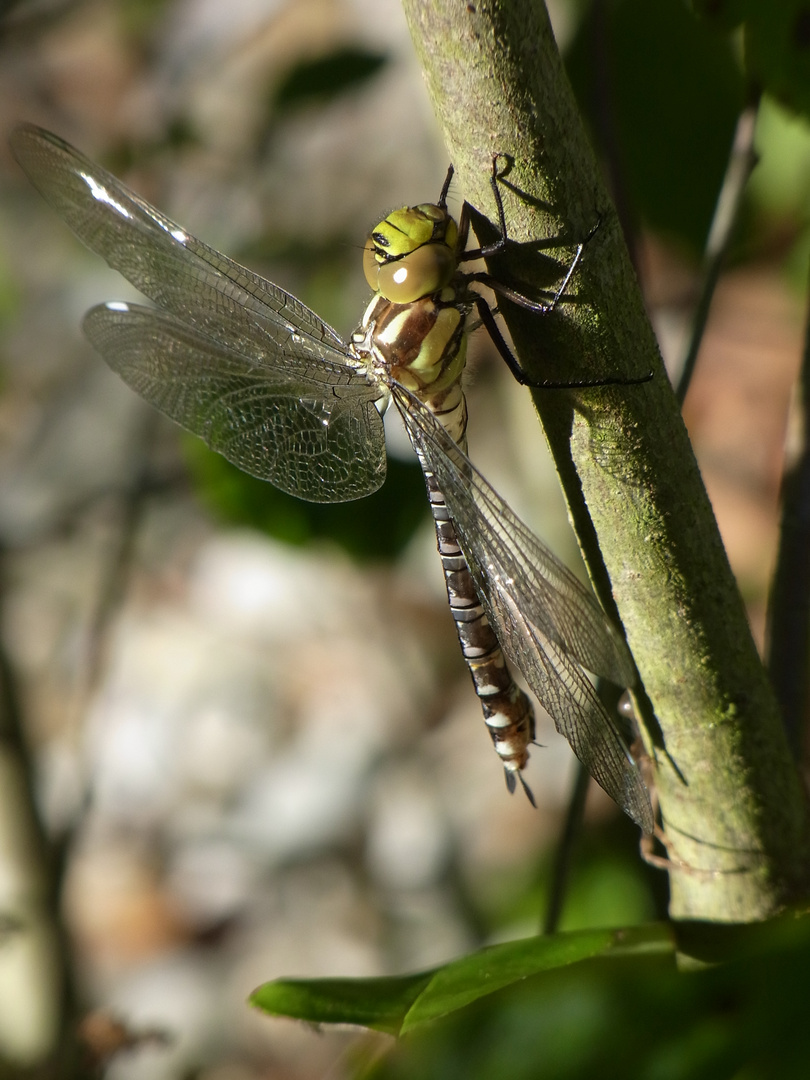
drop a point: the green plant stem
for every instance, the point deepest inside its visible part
(563, 856)
(741, 161)
(789, 602)
(730, 798)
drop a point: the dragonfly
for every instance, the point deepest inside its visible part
(268, 384)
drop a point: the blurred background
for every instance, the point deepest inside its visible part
(246, 723)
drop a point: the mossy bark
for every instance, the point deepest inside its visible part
(731, 800)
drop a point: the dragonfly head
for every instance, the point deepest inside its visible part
(412, 253)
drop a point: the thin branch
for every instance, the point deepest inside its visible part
(563, 856)
(789, 603)
(132, 497)
(741, 162)
(36, 863)
(46, 857)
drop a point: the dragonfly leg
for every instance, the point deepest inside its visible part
(445, 188)
(488, 321)
(497, 247)
(539, 307)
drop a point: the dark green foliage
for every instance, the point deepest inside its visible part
(377, 527)
(662, 94)
(777, 51)
(594, 1003)
(631, 1017)
(327, 77)
(777, 44)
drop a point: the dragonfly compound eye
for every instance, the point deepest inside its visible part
(411, 253)
(417, 274)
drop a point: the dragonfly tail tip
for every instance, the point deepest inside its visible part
(528, 790)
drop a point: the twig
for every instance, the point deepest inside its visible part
(41, 869)
(789, 602)
(136, 490)
(565, 849)
(741, 161)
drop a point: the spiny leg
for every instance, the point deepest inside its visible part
(487, 316)
(491, 326)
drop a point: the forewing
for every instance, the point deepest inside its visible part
(325, 447)
(202, 287)
(549, 626)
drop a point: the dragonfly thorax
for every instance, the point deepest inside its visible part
(412, 253)
(422, 345)
(415, 326)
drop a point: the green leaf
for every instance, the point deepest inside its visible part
(637, 1016)
(379, 1004)
(777, 44)
(472, 977)
(403, 1003)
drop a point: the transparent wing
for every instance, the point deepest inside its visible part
(179, 273)
(548, 624)
(277, 354)
(325, 449)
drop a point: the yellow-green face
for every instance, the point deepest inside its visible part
(412, 253)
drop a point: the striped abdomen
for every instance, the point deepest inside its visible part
(508, 713)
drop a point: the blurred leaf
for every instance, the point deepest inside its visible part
(780, 183)
(721, 14)
(777, 43)
(777, 50)
(609, 891)
(377, 527)
(663, 94)
(140, 17)
(608, 886)
(402, 1004)
(779, 189)
(327, 77)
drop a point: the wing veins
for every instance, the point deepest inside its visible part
(535, 641)
(272, 429)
